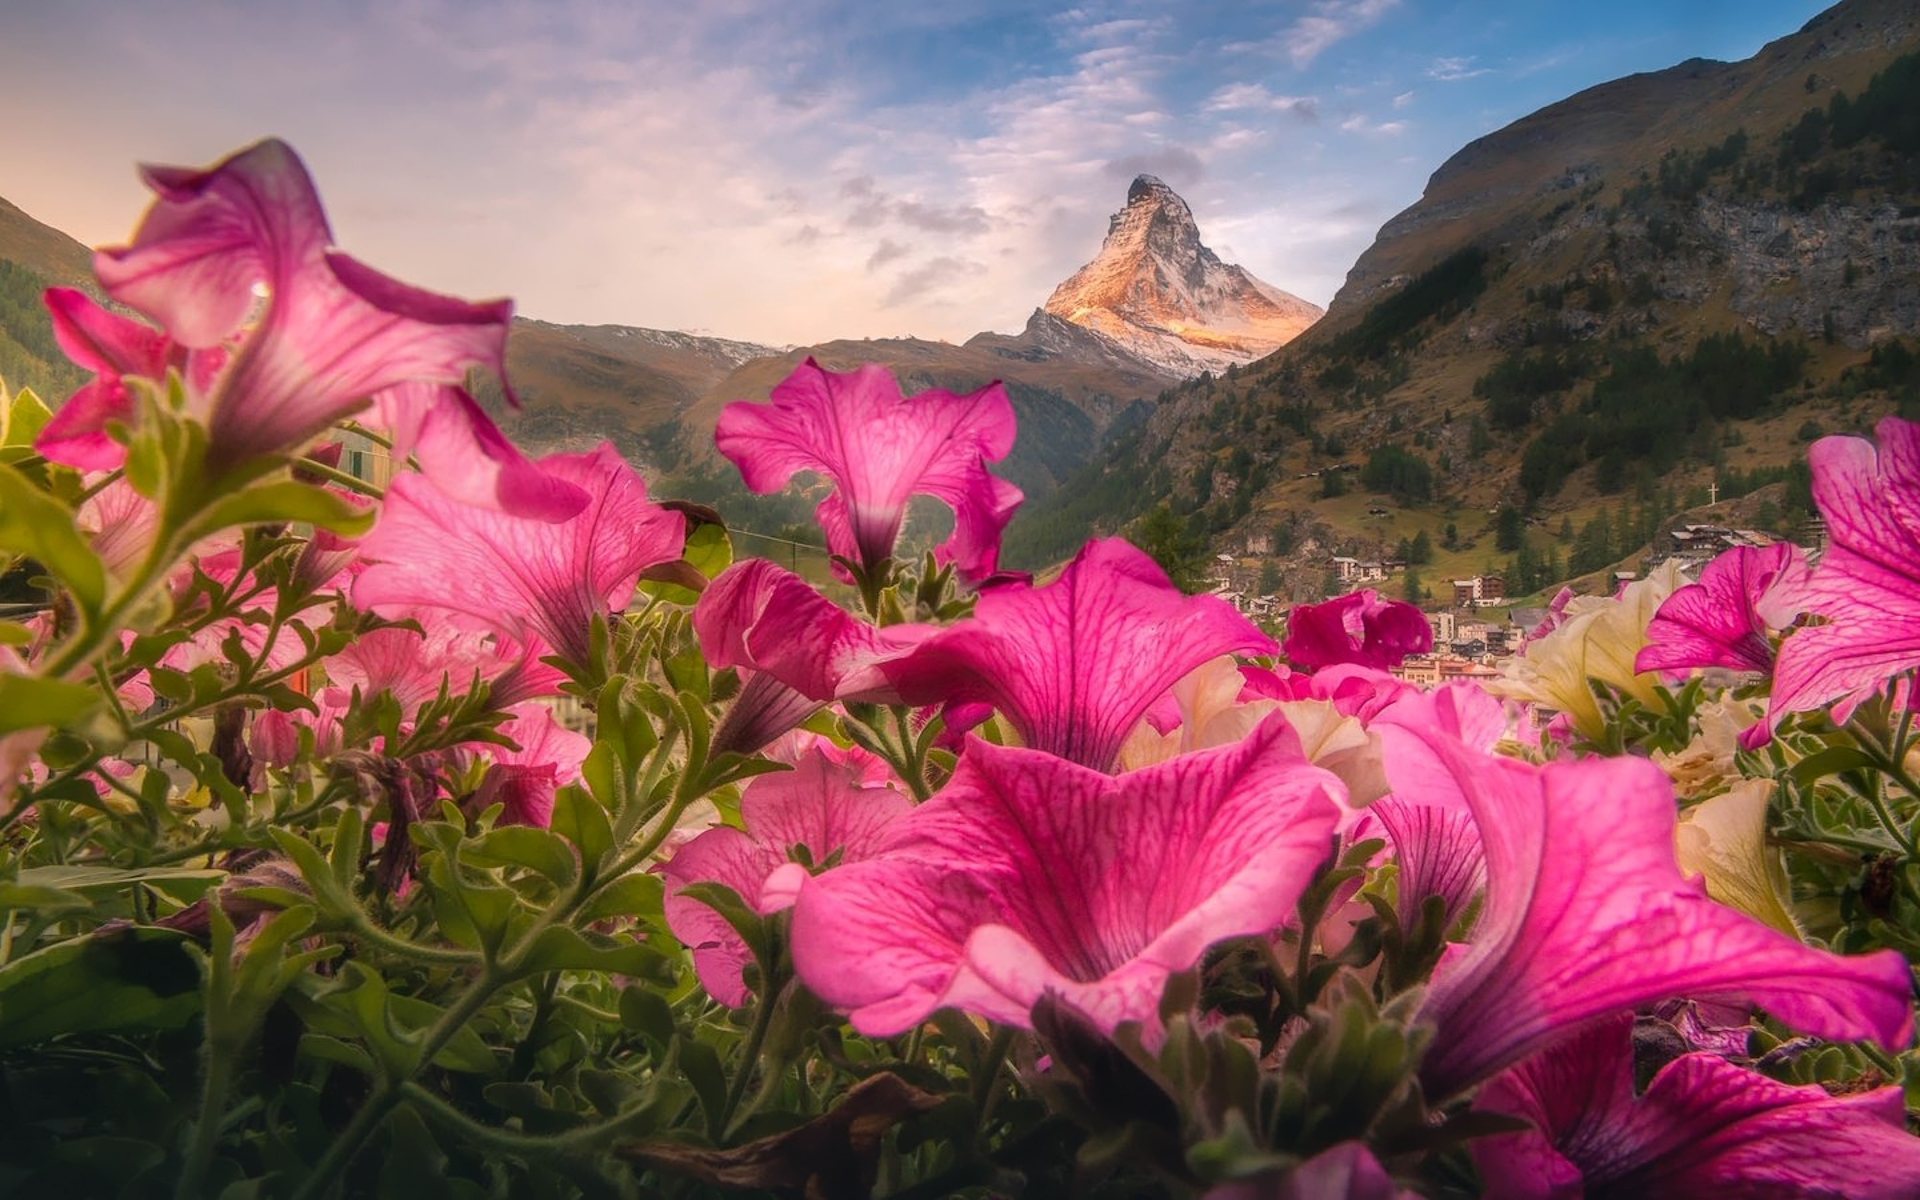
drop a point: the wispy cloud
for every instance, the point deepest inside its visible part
(1236, 97)
(1451, 70)
(1331, 21)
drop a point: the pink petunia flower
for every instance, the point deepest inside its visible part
(334, 337)
(1028, 874)
(1587, 914)
(1723, 620)
(1868, 583)
(1358, 628)
(113, 347)
(1074, 664)
(523, 780)
(796, 650)
(880, 448)
(1702, 1127)
(521, 576)
(824, 811)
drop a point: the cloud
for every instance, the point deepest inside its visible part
(1331, 21)
(871, 207)
(1177, 165)
(1358, 123)
(887, 251)
(928, 278)
(1403, 100)
(1452, 70)
(1243, 96)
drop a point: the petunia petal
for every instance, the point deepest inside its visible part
(1587, 914)
(1072, 665)
(1029, 874)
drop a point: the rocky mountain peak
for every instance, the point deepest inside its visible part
(1160, 293)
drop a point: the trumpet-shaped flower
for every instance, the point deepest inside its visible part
(1723, 620)
(823, 812)
(1358, 627)
(523, 778)
(334, 338)
(1072, 665)
(879, 449)
(1868, 583)
(113, 347)
(1703, 1127)
(521, 576)
(1028, 874)
(1599, 638)
(1587, 914)
(1724, 841)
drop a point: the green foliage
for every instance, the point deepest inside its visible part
(1510, 529)
(1392, 468)
(1513, 385)
(1333, 484)
(29, 356)
(1439, 292)
(1172, 543)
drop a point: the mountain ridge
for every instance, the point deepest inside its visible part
(1157, 291)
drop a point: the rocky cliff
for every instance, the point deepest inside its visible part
(1157, 291)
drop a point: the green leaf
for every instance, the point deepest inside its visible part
(285, 501)
(1830, 761)
(30, 703)
(131, 978)
(700, 1064)
(708, 552)
(635, 895)
(561, 948)
(23, 419)
(579, 818)
(36, 525)
(523, 846)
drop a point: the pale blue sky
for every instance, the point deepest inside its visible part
(809, 169)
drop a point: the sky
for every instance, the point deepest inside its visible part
(791, 171)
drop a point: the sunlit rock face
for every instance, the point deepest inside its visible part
(1166, 298)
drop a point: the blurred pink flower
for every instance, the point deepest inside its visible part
(1028, 874)
(822, 813)
(1868, 583)
(1587, 914)
(1723, 620)
(1358, 628)
(880, 448)
(1702, 1127)
(1074, 664)
(334, 338)
(112, 347)
(521, 576)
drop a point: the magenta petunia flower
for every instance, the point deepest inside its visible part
(523, 780)
(112, 347)
(1723, 620)
(759, 615)
(796, 650)
(880, 448)
(1074, 664)
(1358, 628)
(1703, 1127)
(521, 576)
(1868, 583)
(1028, 874)
(824, 812)
(1587, 914)
(333, 337)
